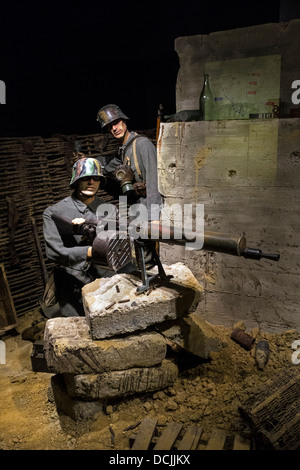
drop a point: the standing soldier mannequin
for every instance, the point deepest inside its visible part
(136, 164)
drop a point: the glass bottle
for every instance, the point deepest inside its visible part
(206, 101)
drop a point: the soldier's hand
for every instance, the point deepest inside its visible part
(140, 189)
(77, 225)
(89, 252)
(78, 221)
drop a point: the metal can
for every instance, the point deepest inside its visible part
(242, 338)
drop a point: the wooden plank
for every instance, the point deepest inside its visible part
(240, 443)
(168, 437)
(190, 439)
(8, 317)
(145, 434)
(216, 440)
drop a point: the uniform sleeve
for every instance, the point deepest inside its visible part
(56, 250)
(147, 159)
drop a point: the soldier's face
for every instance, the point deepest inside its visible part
(118, 129)
(88, 186)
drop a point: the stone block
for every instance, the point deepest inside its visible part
(113, 306)
(75, 408)
(121, 383)
(69, 348)
(194, 335)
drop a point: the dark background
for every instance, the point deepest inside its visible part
(62, 61)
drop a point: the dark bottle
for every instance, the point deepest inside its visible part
(206, 101)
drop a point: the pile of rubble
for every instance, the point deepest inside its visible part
(122, 345)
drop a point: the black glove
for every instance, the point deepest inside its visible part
(140, 189)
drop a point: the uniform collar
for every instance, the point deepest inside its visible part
(82, 207)
(132, 134)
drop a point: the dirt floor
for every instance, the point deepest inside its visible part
(206, 393)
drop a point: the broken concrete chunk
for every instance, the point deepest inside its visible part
(113, 307)
(69, 348)
(193, 334)
(121, 383)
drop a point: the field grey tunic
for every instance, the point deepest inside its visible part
(69, 253)
(147, 163)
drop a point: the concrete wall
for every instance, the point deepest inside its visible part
(195, 52)
(247, 174)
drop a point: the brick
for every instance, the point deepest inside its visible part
(69, 348)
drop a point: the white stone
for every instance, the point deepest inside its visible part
(113, 306)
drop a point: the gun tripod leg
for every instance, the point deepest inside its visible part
(161, 270)
(145, 277)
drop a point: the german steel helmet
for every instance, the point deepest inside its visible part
(110, 113)
(85, 167)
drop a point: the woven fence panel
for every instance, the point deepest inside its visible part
(35, 173)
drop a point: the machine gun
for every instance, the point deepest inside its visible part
(113, 248)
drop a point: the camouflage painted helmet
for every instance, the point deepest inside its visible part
(85, 167)
(110, 113)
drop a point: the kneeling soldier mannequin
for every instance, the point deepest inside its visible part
(71, 253)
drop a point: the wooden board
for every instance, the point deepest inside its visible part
(168, 437)
(145, 434)
(191, 438)
(217, 440)
(240, 443)
(148, 438)
(8, 318)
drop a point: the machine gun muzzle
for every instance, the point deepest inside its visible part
(255, 253)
